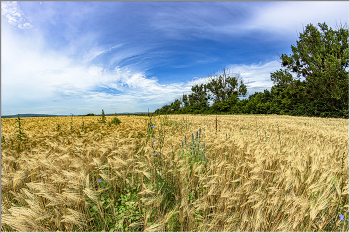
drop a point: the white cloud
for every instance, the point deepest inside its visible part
(292, 17)
(39, 78)
(15, 17)
(257, 76)
(96, 51)
(47, 78)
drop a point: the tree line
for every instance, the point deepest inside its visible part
(321, 57)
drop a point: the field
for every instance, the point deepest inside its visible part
(175, 173)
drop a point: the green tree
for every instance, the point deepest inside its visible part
(282, 77)
(224, 86)
(165, 109)
(175, 106)
(321, 57)
(185, 101)
(199, 97)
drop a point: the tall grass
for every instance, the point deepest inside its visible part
(176, 173)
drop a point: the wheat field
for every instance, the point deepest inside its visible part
(175, 173)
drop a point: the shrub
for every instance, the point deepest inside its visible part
(115, 121)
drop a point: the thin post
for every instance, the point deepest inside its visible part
(216, 124)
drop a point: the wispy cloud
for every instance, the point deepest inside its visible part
(14, 15)
(210, 20)
(283, 16)
(57, 79)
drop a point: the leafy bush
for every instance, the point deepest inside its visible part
(115, 121)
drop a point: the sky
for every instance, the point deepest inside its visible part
(81, 57)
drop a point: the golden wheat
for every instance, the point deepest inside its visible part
(264, 173)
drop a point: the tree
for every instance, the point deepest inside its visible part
(282, 77)
(175, 106)
(223, 87)
(185, 101)
(163, 110)
(199, 96)
(321, 57)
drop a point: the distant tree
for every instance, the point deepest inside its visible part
(165, 109)
(175, 106)
(224, 86)
(199, 97)
(185, 101)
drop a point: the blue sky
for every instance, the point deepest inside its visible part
(82, 57)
